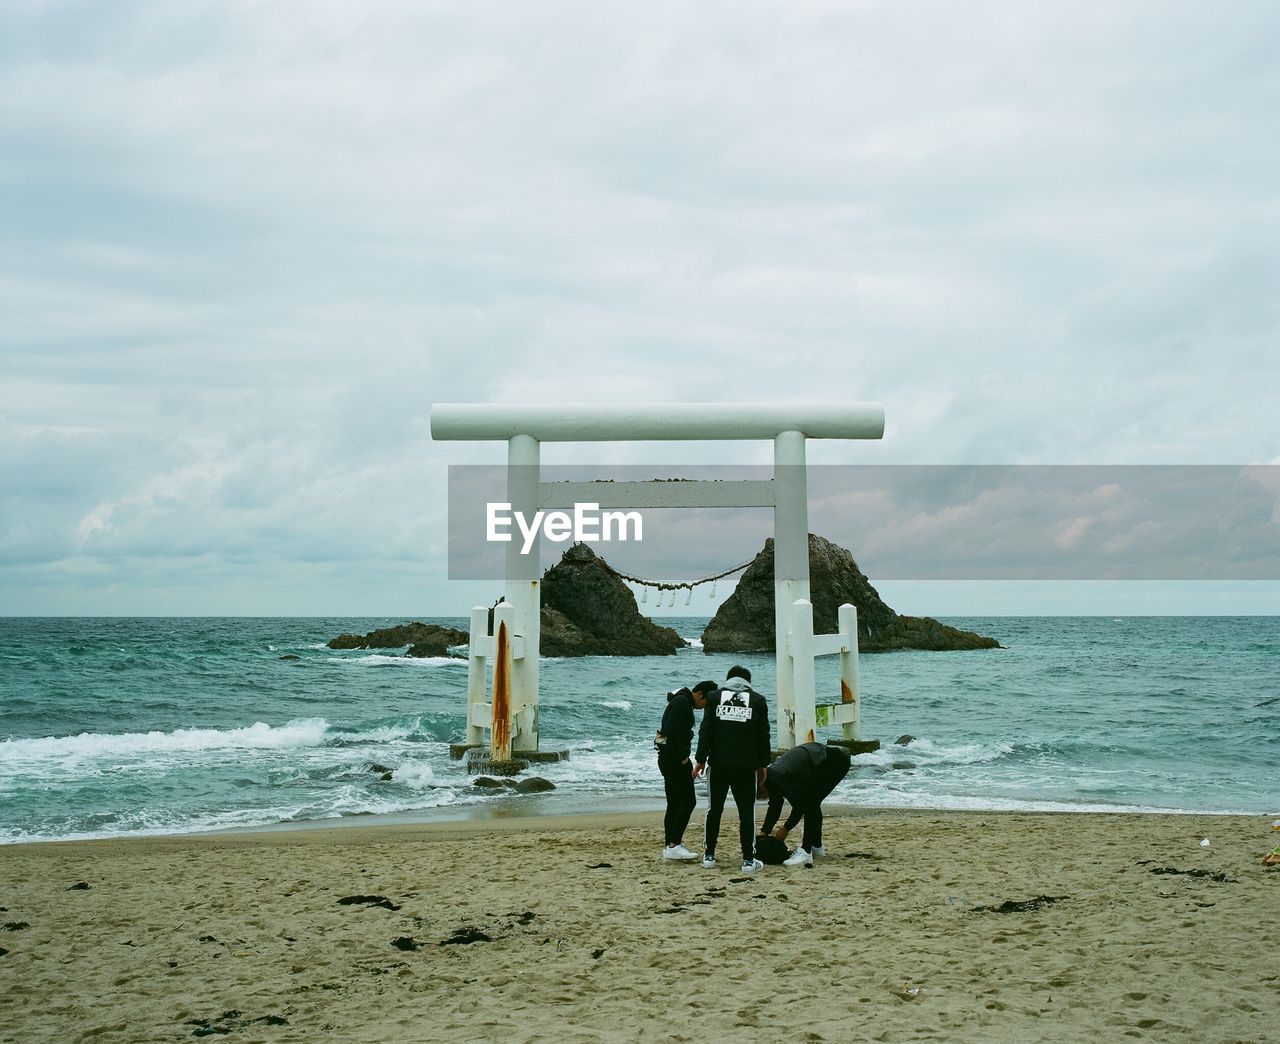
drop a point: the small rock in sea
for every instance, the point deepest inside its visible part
(405, 942)
(597, 954)
(534, 785)
(425, 639)
(487, 783)
(207, 938)
(903, 740)
(290, 656)
(904, 764)
(3, 951)
(377, 768)
(15, 926)
(80, 886)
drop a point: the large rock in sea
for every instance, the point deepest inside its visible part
(588, 611)
(745, 622)
(422, 639)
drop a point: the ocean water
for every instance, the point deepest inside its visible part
(113, 727)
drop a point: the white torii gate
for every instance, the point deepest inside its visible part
(514, 643)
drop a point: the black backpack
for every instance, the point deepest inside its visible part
(770, 850)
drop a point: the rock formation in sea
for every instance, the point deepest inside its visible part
(588, 611)
(422, 639)
(745, 622)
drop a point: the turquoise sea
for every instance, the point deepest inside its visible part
(114, 727)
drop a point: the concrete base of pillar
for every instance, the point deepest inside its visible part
(855, 746)
(461, 751)
(480, 764)
(542, 757)
(852, 746)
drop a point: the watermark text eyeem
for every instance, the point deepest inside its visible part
(587, 523)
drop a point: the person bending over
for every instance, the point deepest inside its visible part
(734, 739)
(804, 776)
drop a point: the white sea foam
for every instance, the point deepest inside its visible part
(384, 734)
(923, 752)
(307, 732)
(415, 774)
(382, 660)
(610, 768)
(617, 704)
(349, 802)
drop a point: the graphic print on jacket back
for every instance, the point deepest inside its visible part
(734, 706)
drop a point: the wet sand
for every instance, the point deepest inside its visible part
(917, 926)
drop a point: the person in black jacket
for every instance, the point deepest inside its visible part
(734, 737)
(674, 744)
(804, 775)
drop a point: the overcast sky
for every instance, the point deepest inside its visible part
(245, 246)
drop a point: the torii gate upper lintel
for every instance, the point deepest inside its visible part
(517, 627)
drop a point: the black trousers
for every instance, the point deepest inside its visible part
(742, 781)
(810, 805)
(677, 781)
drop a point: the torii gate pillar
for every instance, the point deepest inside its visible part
(790, 564)
(523, 592)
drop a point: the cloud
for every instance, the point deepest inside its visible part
(247, 246)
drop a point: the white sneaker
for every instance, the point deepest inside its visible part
(819, 851)
(799, 858)
(708, 862)
(678, 854)
(750, 866)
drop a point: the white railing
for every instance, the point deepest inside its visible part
(799, 722)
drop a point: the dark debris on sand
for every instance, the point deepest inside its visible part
(1209, 874)
(368, 900)
(230, 1021)
(1022, 906)
(466, 936)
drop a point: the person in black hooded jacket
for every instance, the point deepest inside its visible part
(674, 743)
(735, 738)
(804, 776)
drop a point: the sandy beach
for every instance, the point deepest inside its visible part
(917, 926)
